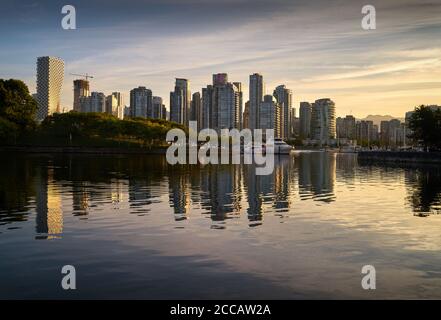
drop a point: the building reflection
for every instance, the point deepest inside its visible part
(179, 191)
(49, 220)
(317, 172)
(221, 192)
(80, 197)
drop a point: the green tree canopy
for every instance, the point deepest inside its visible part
(425, 126)
(16, 104)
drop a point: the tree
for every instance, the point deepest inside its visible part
(425, 126)
(16, 104)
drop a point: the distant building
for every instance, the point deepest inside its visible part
(323, 121)
(346, 127)
(294, 124)
(141, 101)
(393, 133)
(81, 89)
(120, 104)
(50, 76)
(158, 108)
(365, 132)
(196, 109)
(207, 107)
(180, 100)
(256, 91)
(222, 104)
(305, 120)
(114, 105)
(246, 116)
(126, 111)
(271, 116)
(111, 105)
(96, 102)
(284, 98)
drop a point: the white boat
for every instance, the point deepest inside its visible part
(280, 146)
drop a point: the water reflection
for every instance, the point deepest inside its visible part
(425, 190)
(49, 219)
(137, 184)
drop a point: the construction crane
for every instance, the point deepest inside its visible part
(86, 76)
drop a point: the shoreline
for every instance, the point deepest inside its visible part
(400, 156)
(82, 150)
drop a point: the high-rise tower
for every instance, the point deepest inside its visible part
(50, 76)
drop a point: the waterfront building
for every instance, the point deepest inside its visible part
(283, 97)
(256, 91)
(50, 76)
(196, 109)
(246, 116)
(180, 100)
(222, 104)
(141, 101)
(305, 120)
(271, 116)
(157, 108)
(323, 121)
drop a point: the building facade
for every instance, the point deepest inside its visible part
(50, 76)
(323, 127)
(222, 104)
(305, 120)
(284, 99)
(180, 100)
(256, 91)
(96, 102)
(141, 100)
(271, 116)
(81, 89)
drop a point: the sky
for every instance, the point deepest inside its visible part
(318, 49)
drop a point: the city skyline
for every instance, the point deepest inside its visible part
(324, 52)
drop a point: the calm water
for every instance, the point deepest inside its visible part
(135, 227)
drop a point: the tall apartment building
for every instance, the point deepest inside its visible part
(158, 108)
(393, 133)
(323, 120)
(180, 100)
(246, 116)
(365, 132)
(81, 89)
(256, 91)
(207, 106)
(271, 116)
(196, 109)
(345, 127)
(50, 76)
(305, 120)
(294, 124)
(222, 104)
(284, 98)
(141, 101)
(114, 105)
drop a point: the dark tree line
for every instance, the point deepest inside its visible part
(425, 126)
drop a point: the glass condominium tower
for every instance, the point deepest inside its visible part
(50, 76)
